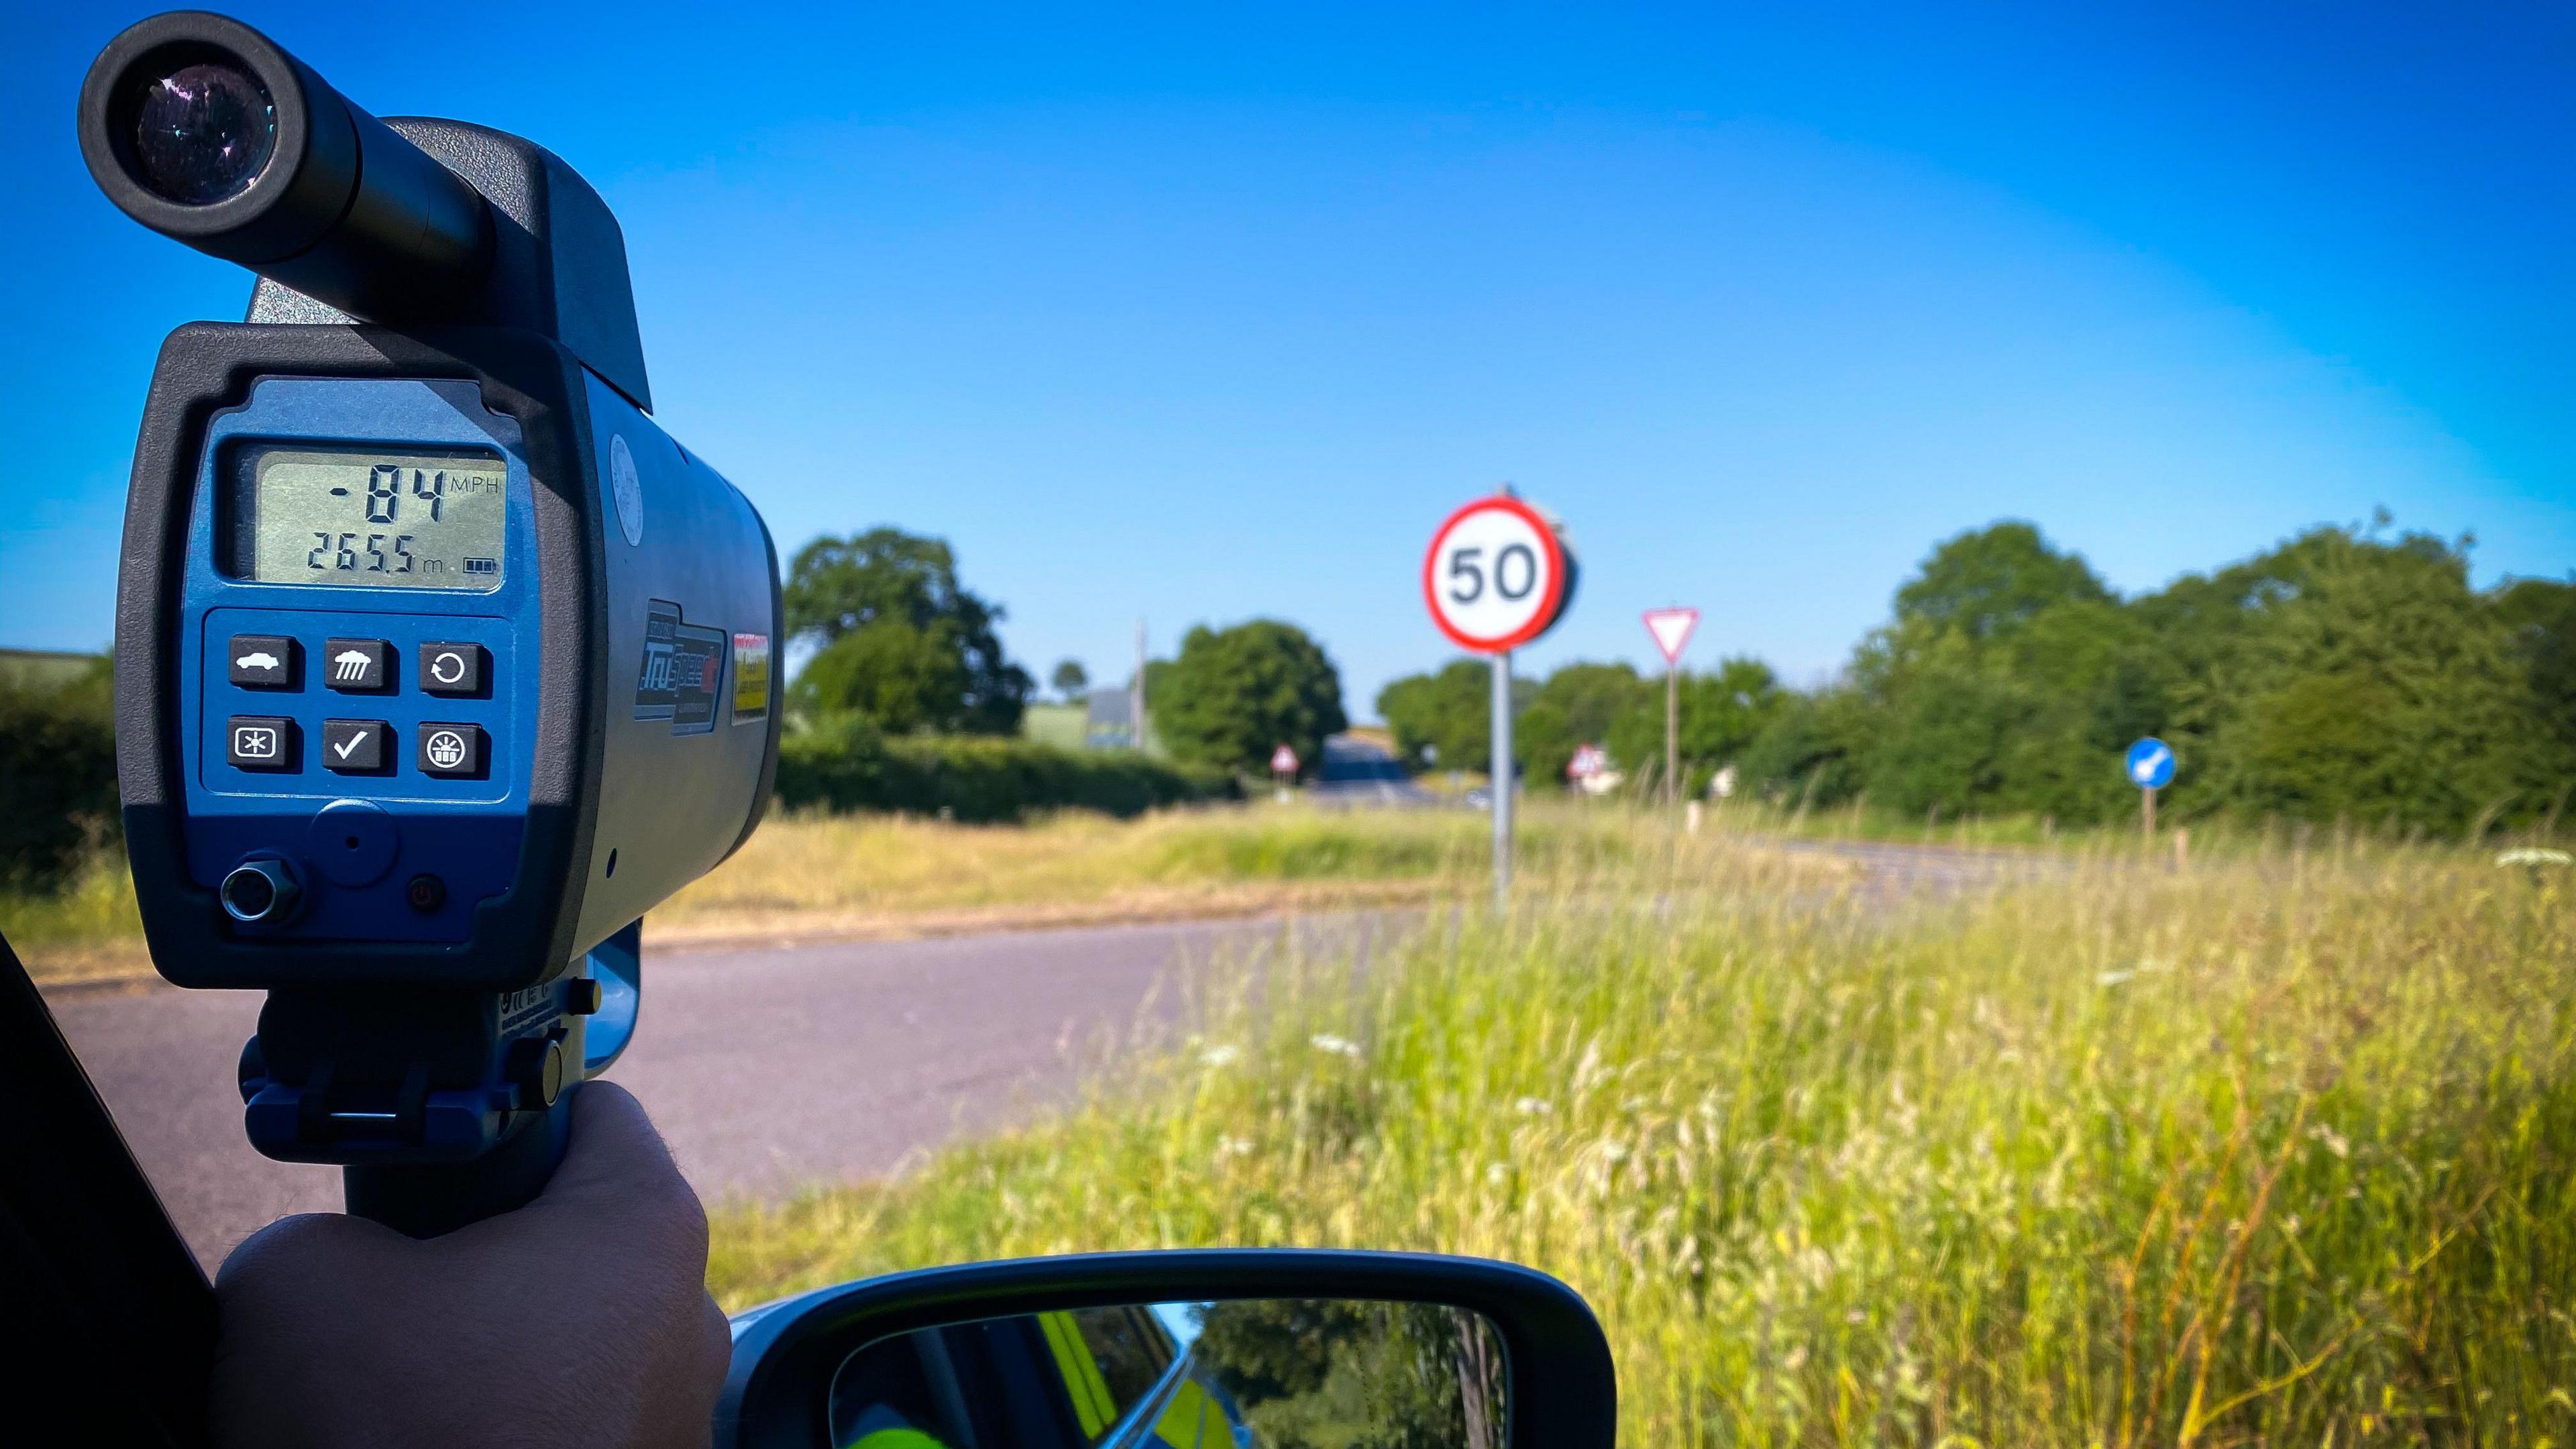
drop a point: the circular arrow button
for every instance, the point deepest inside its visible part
(451, 668)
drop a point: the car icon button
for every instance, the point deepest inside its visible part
(261, 661)
(448, 750)
(259, 742)
(451, 668)
(357, 666)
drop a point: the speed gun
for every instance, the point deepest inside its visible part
(438, 662)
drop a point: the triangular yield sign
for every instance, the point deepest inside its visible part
(1672, 629)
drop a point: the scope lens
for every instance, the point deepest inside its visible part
(202, 132)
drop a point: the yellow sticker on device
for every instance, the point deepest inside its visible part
(750, 678)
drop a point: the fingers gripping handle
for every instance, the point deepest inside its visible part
(427, 1200)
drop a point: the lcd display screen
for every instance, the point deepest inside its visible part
(371, 519)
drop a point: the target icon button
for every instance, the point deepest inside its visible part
(450, 751)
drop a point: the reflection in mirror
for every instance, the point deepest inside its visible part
(1257, 1374)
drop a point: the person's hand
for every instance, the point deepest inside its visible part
(579, 1320)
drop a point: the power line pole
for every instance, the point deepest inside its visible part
(1136, 693)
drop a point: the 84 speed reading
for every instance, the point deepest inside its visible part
(1496, 576)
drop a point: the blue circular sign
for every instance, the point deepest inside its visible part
(2151, 764)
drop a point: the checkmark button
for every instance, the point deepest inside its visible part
(353, 746)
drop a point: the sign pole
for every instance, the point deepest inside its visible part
(1502, 773)
(1672, 733)
(2150, 768)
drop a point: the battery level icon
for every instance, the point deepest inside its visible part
(482, 565)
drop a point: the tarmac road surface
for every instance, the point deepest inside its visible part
(1355, 771)
(767, 1069)
(773, 1067)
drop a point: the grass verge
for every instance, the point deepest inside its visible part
(811, 874)
(864, 875)
(87, 928)
(2275, 1149)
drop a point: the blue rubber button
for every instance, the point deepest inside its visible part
(352, 842)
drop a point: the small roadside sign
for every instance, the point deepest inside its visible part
(1283, 761)
(2151, 768)
(1588, 761)
(2151, 764)
(1672, 629)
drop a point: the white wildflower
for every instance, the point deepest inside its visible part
(1533, 1106)
(1234, 1147)
(2114, 978)
(1325, 1041)
(2535, 856)
(1223, 1055)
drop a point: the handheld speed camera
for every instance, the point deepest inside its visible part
(438, 662)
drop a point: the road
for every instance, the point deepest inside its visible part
(767, 1068)
(1355, 771)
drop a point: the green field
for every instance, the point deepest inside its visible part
(2273, 1149)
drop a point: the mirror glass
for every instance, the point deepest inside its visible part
(1273, 1373)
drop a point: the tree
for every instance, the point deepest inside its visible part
(903, 641)
(2541, 614)
(1070, 679)
(1991, 580)
(1444, 718)
(1348, 1373)
(1947, 722)
(57, 775)
(1574, 706)
(1721, 713)
(1814, 746)
(2388, 690)
(904, 680)
(2341, 674)
(1236, 694)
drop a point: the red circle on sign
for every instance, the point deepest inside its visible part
(1554, 600)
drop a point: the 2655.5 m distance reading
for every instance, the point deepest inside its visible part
(367, 519)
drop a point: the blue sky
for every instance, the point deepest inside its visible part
(1204, 314)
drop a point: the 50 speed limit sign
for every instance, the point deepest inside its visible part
(1497, 575)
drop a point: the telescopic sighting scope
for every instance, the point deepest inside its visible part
(438, 662)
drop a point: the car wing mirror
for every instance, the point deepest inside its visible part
(1194, 1349)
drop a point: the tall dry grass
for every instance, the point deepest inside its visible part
(2274, 1150)
(817, 872)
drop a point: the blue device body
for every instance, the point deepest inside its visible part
(359, 838)
(625, 712)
